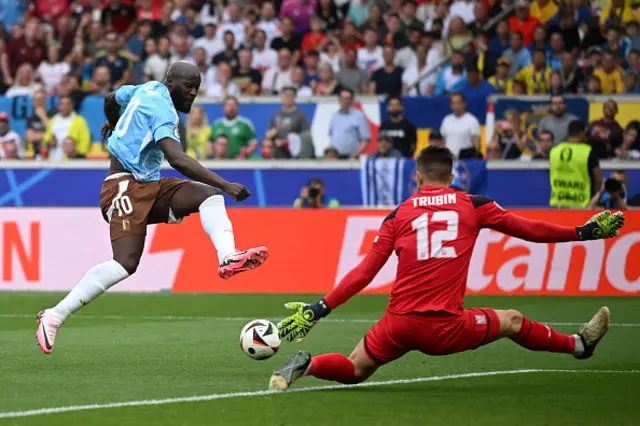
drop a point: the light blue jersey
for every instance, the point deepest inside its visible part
(149, 116)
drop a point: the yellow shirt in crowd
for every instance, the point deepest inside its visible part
(627, 14)
(611, 83)
(504, 87)
(537, 82)
(197, 142)
(543, 12)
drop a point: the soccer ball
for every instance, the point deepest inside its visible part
(259, 339)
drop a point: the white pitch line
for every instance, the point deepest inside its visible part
(198, 318)
(57, 410)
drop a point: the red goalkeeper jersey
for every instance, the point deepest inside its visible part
(433, 234)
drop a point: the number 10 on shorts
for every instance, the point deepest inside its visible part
(421, 226)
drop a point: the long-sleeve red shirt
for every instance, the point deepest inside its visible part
(433, 234)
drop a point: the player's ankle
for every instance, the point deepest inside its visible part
(579, 348)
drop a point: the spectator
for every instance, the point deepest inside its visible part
(209, 42)
(573, 79)
(458, 35)
(501, 81)
(157, 64)
(327, 85)
(63, 34)
(385, 149)
(119, 65)
(36, 124)
(240, 132)
(311, 71)
(494, 151)
(359, 11)
(461, 130)
(285, 121)
(269, 22)
(633, 32)
(555, 84)
(395, 36)
(350, 39)
(618, 12)
(146, 11)
(313, 196)
(616, 44)
(630, 84)
(219, 149)
(119, 17)
(223, 87)
(450, 74)
(481, 55)
(330, 15)
(499, 43)
(523, 22)
(135, 43)
(518, 56)
(508, 139)
(330, 153)
(574, 182)
(543, 10)
(298, 79)
(333, 54)
(211, 12)
(313, 40)
(181, 51)
(263, 56)
(540, 40)
(519, 88)
(52, 70)
(267, 150)
(387, 79)
(275, 79)
(350, 76)
(190, 20)
(198, 133)
(230, 53)
(248, 79)
(593, 85)
(300, 12)
(12, 12)
(536, 76)
(606, 135)
(406, 56)
(567, 24)
(24, 83)
(610, 75)
(376, 22)
(370, 55)
(627, 151)
(26, 49)
(67, 133)
(544, 145)
(408, 16)
(554, 56)
(472, 84)
(480, 20)
(234, 23)
(436, 139)
(288, 40)
(349, 129)
(11, 146)
(100, 84)
(402, 132)
(613, 193)
(557, 121)
(207, 72)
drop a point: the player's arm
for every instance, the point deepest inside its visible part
(306, 316)
(490, 215)
(113, 102)
(192, 169)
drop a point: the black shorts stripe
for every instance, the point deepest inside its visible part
(368, 351)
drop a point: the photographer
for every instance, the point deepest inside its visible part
(312, 196)
(613, 193)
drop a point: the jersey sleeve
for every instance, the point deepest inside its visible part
(165, 121)
(123, 95)
(385, 240)
(490, 215)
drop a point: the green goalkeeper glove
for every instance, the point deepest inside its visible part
(305, 317)
(601, 225)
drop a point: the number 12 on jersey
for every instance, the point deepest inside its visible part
(421, 226)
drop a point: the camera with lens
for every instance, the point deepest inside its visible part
(612, 185)
(313, 192)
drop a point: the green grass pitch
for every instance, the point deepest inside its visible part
(141, 347)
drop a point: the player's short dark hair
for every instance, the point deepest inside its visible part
(394, 97)
(576, 127)
(435, 163)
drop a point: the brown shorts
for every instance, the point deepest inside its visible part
(129, 206)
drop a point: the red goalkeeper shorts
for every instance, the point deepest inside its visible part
(432, 333)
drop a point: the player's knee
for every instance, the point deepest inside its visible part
(129, 263)
(513, 320)
(360, 372)
(211, 191)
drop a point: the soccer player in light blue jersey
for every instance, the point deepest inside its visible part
(134, 195)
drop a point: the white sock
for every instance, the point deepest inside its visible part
(217, 225)
(579, 349)
(95, 282)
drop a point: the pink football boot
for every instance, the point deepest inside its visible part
(242, 261)
(47, 330)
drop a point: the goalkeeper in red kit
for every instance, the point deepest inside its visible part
(433, 234)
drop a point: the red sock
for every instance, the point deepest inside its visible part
(539, 337)
(334, 367)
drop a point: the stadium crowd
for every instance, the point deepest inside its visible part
(302, 48)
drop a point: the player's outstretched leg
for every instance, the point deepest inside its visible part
(215, 222)
(126, 257)
(335, 367)
(540, 337)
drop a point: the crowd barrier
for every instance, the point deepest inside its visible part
(49, 249)
(278, 183)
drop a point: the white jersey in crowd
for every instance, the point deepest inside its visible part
(463, 9)
(370, 60)
(271, 29)
(237, 28)
(411, 75)
(459, 132)
(52, 74)
(333, 61)
(11, 137)
(264, 59)
(217, 90)
(275, 80)
(212, 46)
